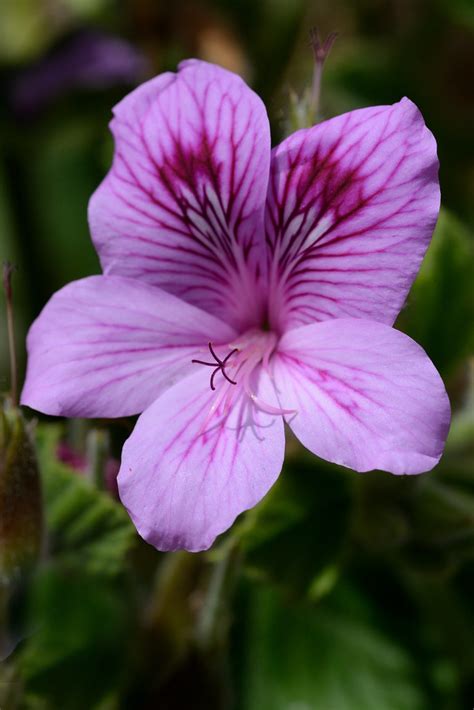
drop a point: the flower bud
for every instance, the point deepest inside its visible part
(20, 497)
(21, 519)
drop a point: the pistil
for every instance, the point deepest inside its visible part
(251, 352)
(218, 364)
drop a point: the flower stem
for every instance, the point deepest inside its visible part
(98, 451)
(212, 626)
(7, 287)
(320, 53)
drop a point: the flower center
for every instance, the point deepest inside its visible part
(253, 348)
(239, 363)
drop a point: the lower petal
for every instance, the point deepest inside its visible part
(366, 396)
(187, 471)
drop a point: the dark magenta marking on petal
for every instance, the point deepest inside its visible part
(352, 204)
(183, 205)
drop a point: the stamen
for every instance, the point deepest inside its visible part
(269, 408)
(219, 365)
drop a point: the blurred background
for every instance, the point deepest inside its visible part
(339, 591)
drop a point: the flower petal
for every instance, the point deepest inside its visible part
(366, 396)
(107, 346)
(185, 476)
(352, 206)
(183, 205)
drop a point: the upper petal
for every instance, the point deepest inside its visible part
(183, 204)
(352, 206)
(366, 396)
(186, 474)
(106, 346)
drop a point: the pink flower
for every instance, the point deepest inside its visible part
(242, 288)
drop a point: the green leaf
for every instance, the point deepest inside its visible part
(327, 657)
(441, 510)
(87, 528)
(440, 311)
(76, 652)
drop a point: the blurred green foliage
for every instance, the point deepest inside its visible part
(440, 310)
(87, 528)
(333, 656)
(339, 591)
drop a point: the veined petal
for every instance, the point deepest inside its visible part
(366, 396)
(351, 209)
(183, 205)
(187, 472)
(107, 346)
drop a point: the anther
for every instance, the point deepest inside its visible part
(218, 364)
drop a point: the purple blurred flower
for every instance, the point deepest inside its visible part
(68, 455)
(74, 459)
(243, 288)
(88, 60)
